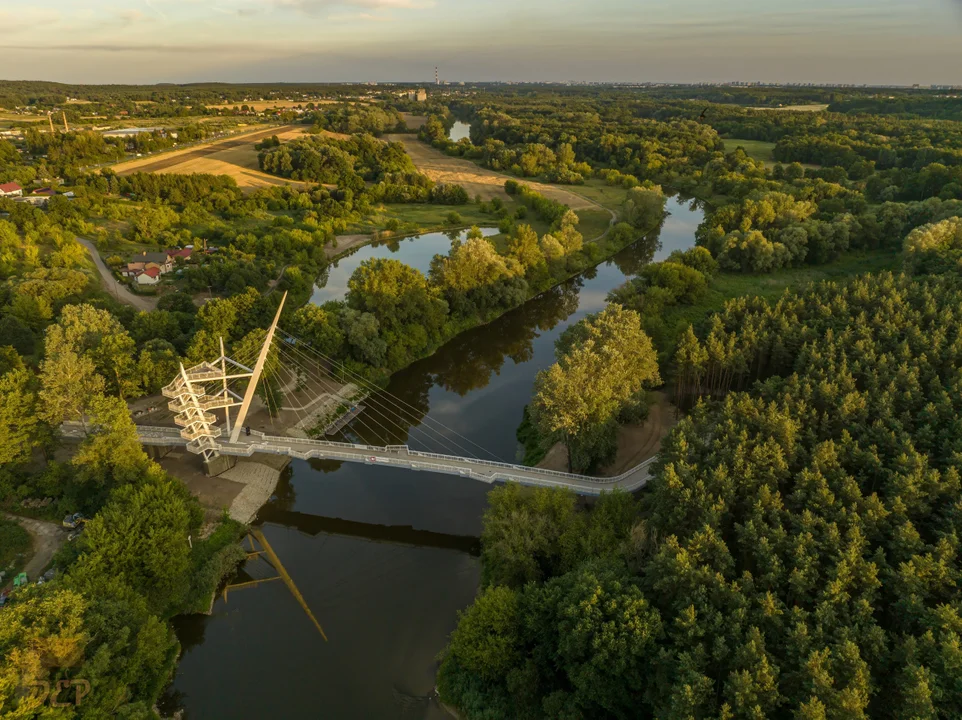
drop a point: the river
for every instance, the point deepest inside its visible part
(417, 251)
(459, 130)
(385, 556)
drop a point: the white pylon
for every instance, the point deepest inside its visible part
(192, 402)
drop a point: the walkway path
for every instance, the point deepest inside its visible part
(402, 456)
(46, 538)
(113, 286)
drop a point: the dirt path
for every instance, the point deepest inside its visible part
(636, 443)
(478, 180)
(115, 287)
(345, 243)
(46, 538)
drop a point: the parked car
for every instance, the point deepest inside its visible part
(75, 534)
(74, 521)
(20, 580)
(46, 577)
(3, 598)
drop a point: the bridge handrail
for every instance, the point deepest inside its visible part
(455, 459)
(274, 443)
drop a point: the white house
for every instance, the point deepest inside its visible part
(10, 189)
(150, 276)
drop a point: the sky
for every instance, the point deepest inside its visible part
(148, 41)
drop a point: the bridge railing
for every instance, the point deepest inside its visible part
(455, 459)
(273, 444)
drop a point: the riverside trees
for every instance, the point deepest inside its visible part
(604, 364)
(796, 555)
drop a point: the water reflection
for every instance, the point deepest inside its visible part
(372, 548)
(470, 362)
(459, 131)
(416, 251)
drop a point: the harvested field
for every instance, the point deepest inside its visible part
(478, 180)
(234, 156)
(414, 122)
(795, 108)
(261, 105)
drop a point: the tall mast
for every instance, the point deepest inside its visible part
(258, 369)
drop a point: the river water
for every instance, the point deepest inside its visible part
(385, 557)
(459, 130)
(417, 251)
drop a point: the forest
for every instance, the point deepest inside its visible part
(796, 554)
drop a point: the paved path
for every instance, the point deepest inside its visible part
(46, 538)
(116, 288)
(401, 456)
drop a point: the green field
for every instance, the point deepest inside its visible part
(418, 217)
(770, 286)
(610, 196)
(755, 149)
(425, 216)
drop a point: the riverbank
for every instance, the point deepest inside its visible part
(239, 492)
(596, 253)
(388, 601)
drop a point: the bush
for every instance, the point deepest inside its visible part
(14, 540)
(454, 218)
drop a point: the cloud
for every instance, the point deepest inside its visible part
(312, 6)
(130, 48)
(130, 17)
(27, 19)
(366, 16)
(155, 9)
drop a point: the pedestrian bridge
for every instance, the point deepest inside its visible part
(226, 383)
(402, 456)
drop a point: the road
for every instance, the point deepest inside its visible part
(116, 288)
(46, 537)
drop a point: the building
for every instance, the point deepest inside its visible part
(161, 262)
(35, 200)
(150, 276)
(11, 189)
(422, 95)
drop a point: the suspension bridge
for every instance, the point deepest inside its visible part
(313, 391)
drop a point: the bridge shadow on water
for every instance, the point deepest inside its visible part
(393, 534)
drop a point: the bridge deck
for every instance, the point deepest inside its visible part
(403, 456)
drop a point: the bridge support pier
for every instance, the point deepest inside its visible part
(217, 464)
(156, 452)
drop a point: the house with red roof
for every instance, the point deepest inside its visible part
(150, 276)
(11, 189)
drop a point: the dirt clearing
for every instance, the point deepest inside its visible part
(414, 122)
(45, 537)
(478, 180)
(796, 108)
(261, 105)
(636, 443)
